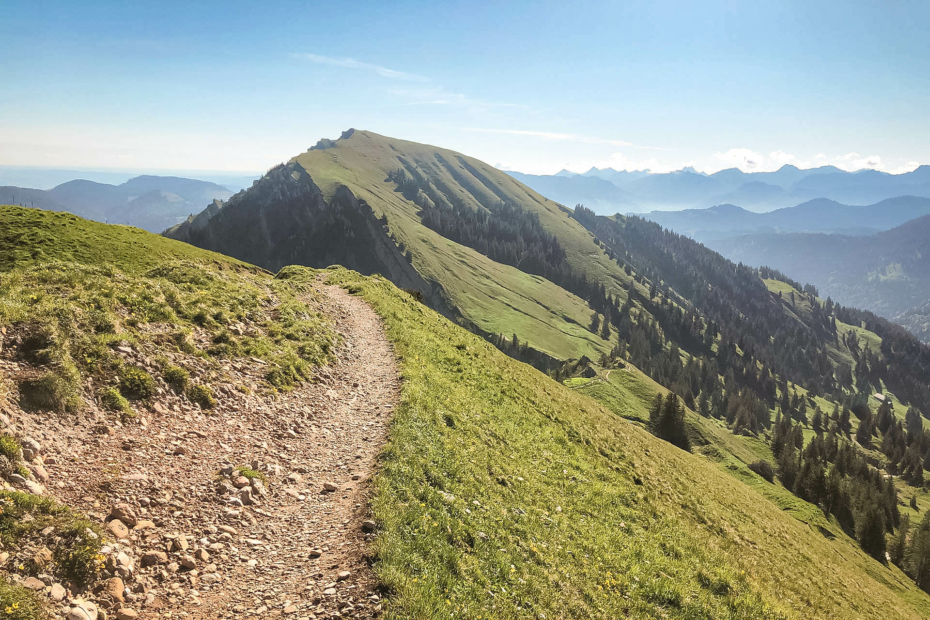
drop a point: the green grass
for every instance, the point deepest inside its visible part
(177, 378)
(112, 400)
(497, 298)
(202, 395)
(251, 474)
(503, 494)
(19, 603)
(75, 314)
(31, 236)
(135, 383)
(32, 521)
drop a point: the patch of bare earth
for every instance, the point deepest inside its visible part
(189, 538)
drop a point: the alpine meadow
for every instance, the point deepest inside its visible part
(646, 338)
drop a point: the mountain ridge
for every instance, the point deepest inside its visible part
(756, 191)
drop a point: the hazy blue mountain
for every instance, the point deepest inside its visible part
(617, 177)
(47, 178)
(150, 202)
(754, 191)
(887, 272)
(27, 197)
(599, 195)
(819, 216)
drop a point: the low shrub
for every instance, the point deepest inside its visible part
(764, 469)
(57, 390)
(19, 603)
(177, 378)
(135, 383)
(202, 395)
(10, 448)
(112, 400)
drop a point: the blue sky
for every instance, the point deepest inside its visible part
(535, 87)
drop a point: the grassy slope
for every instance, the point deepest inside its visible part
(30, 236)
(504, 494)
(498, 298)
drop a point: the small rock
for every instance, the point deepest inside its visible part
(34, 487)
(343, 575)
(151, 558)
(31, 449)
(188, 562)
(245, 496)
(329, 487)
(114, 588)
(127, 614)
(118, 529)
(180, 544)
(202, 555)
(315, 553)
(228, 530)
(84, 611)
(39, 472)
(34, 584)
(124, 513)
(369, 526)
(143, 524)
(58, 592)
(241, 482)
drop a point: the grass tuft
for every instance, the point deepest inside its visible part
(135, 383)
(19, 603)
(28, 520)
(177, 378)
(202, 395)
(112, 400)
(57, 390)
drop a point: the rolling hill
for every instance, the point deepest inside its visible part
(337, 203)
(815, 216)
(768, 373)
(501, 492)
(152, 203)
(887, 273)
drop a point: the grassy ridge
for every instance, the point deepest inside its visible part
(496, 297)
(504, 494)
(31, 236)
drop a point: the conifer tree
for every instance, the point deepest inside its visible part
(899, 543)
(918, 554)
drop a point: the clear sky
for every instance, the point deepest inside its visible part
(535, 87)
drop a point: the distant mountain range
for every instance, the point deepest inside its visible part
(642, 191)
(821, 215)
(150, 202)
(887, 273)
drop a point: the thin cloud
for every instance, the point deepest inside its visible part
(569, 137)
(351, 63)
(440, 96)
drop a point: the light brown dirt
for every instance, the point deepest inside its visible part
(165, 468)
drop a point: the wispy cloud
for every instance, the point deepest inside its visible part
(568, 137)
(351, 63)
(436, 95)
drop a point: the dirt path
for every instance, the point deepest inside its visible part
(354, 409)
(299, 551)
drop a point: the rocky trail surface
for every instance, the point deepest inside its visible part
(257, 509)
